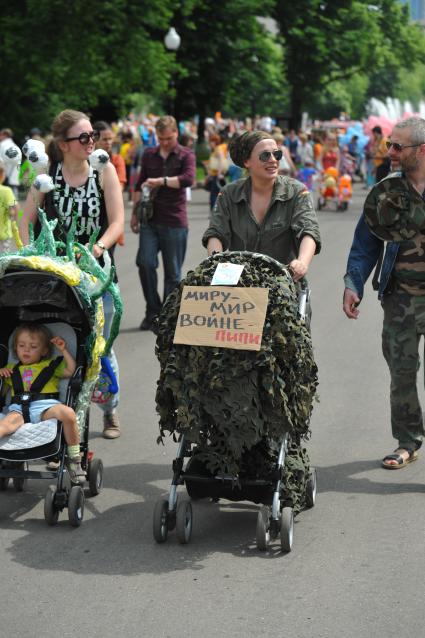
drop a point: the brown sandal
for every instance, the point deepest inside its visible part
(400, 461)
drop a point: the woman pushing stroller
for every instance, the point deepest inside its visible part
(34, 382)
(243, 439)
(266, 212)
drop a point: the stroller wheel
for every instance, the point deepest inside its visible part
(184, 521)
(286, 529)
(4, 482)
(263, 528)
(51, 514)
(311, 489)
(95, 476)
(160, 521)
(20, 483)
(76, 505)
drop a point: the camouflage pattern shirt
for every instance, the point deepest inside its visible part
(290, 216)
(395, 211)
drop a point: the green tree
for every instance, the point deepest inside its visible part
(258, 87)
(411, 85)
(226, 60)
(58, 54)
(327, 41)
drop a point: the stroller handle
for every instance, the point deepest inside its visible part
(304, 290)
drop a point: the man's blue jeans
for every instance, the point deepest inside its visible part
(171, 242)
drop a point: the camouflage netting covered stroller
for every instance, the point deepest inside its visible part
(241, 417)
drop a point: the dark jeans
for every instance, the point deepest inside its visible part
(215, 189)
(154, 238)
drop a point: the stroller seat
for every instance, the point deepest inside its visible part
(28, 441)
(37, 440)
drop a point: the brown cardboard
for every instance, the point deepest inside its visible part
(222, 316)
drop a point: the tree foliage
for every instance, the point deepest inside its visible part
(58, 54)
(88, 55)
(228, 59)
(327, 41)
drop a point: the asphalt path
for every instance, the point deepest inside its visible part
(357, 564)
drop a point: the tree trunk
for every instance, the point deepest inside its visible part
(297, 99)
(201, 125)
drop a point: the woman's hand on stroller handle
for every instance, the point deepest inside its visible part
(297, 268)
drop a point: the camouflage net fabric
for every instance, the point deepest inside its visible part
(237, 405)
(394, 210)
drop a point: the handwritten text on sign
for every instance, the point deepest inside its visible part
(222, 316)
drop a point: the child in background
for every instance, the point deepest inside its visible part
(307, 175)
(32, 345)
(8, 212)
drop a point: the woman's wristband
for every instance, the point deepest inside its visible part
(101, 245)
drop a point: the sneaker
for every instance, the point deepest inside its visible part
(76, 472)
(111, 426)
(53, 465)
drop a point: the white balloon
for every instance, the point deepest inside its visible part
(98, 159)
(43, 183)
(39, 161)
(12, 155)
(33, 145)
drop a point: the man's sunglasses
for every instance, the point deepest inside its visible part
(266, 155)
(84, 138)
(399, 147)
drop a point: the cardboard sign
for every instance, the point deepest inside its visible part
(222, 317)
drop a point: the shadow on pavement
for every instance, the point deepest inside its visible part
(344, 478)
(117, 539)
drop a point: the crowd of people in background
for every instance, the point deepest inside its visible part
(307, 153)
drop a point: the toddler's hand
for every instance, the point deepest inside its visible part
(5, 372)
(59, 343)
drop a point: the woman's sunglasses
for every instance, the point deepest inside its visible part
(399, 147)
(266, 155)
(84, 138)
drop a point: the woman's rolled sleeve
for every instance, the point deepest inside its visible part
(304, 219)
(219, 223)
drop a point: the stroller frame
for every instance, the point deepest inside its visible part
(273, 518)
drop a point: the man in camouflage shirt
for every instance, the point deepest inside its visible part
(394, 213)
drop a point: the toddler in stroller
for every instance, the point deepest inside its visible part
(35, 384)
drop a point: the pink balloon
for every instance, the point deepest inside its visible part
(384, 122)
